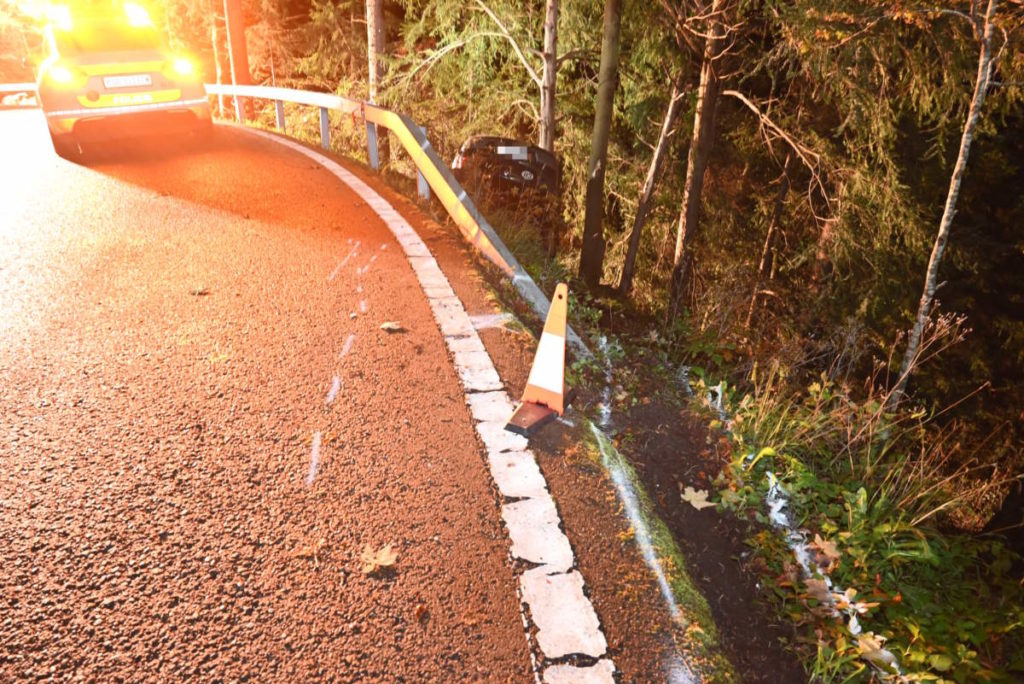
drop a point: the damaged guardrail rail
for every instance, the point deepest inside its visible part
(432, 170)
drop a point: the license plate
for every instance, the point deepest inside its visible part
(127, 81)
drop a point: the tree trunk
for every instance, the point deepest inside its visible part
(376, 46)
(765, 267)
(592, 252)
(643, 207)
(935, 261)
(697, 160)
(216, 33)
(547, 88)
(238, 55)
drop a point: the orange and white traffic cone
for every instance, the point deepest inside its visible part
(545, 395)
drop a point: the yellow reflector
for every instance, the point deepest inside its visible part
(137, 15)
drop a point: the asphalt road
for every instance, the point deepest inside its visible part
(202, 426)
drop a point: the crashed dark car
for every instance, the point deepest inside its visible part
(505, 169)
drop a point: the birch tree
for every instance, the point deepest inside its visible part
(983, 28)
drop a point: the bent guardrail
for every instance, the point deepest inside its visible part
(432, 170)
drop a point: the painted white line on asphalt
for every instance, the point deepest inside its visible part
(564, 617)
(337, 269)
(362, 306)
(366, 268)
(348, 346)
(314, 459)
(332, 394)
(486, 321)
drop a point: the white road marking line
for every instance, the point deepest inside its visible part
(314, 459)
(337, 269)
(333, 392)
(348, 346)
(366, 268)
(362, 306)
(580, 628)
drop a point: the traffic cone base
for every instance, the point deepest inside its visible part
(530, 417)
(544, 398)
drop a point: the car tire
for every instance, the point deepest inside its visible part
(66, 147)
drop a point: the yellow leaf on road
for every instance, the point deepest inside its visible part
(384, 557)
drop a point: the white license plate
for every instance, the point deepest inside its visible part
(127, 81)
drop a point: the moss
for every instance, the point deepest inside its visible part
(697, 635)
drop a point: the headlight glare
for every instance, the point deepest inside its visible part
(183, 66)
(61, 75)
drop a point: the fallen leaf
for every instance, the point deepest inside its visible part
(385, 557)
(826, 549)
(818, 589)
(199, 292)
(870, 647)
(391, 326)
(420, 612)
(698, 498)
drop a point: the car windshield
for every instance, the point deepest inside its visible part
(104, 34)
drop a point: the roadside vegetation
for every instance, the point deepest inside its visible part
(809, 213)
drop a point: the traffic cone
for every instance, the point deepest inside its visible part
(544, 398)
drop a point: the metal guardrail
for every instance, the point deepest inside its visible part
(433, 173)
(8, 89)
(15, 88)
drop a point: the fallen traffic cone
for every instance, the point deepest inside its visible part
(545, 396)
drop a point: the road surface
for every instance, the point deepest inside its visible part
(203, 427)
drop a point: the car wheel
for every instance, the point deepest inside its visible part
(66, 146)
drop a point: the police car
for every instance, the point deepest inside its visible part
(108, 75)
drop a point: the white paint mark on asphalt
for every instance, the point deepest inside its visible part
(348, 346)
(364, 269)
(563, 615)
(485, 321)
(337, 269)
(384, 246)
(333, 392)
(678, 672)
(362, 306)
(631, 506)
(314, 459)
(359, 288)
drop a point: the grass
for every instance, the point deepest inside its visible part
(879, 485)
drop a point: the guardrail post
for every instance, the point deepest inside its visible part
(325, 129)
(279, 111)
(422, 186)
(371, 146)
